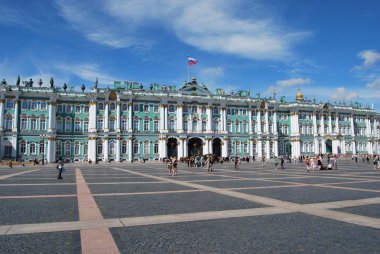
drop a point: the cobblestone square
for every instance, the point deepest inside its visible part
(139, 208)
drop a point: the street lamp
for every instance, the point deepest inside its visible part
(43, 136)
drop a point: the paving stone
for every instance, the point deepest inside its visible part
(131, 188)
(26, 190)
(366, 210)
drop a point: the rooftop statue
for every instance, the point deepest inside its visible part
(3, 82)
(18, 80)
(83, 88)
(40, 82)
(64, 87)
(96, 83)
(51, 82)
(30, 83)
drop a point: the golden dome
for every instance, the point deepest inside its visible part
(299, 96)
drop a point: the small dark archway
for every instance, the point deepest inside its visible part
(195, 147)
(217, 147)
(328, 146)
(172, 147)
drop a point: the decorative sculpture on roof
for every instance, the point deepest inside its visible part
(83, 88)
(282, 99)
(30, 83)
(248, 92)
(3, 82)
(232, 92)
(18, 80)
(64, 87)
(51, 82)
(96, 83)
(40, 82)
(258, 95)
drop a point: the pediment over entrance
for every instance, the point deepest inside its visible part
(192, 88)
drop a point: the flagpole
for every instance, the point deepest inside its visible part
(188, 71)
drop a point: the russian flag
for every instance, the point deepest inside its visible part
(191, 61)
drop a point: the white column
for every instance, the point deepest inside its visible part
(224, 148)
(330, 125)
(322, 124)
(259, 124)
(315, 129)
(14, 146)
(267, 149)
(130, 149)
(343, 146)
(352, 126)
(266, 121)
(209, 119)
(275, 147)
(106, 117)
(16, 116)
(166, 117)
(251, 147)
(275, 124)
(52, 115)
(224, 118)
(2, 102)
(368, 127)
(180, 148)
(162, 117)
(210, 148)
(92, 149)
(316, 146)
(354, 147)
(258, 148)
(206, 146)
(105, 149)
(130, 119)
(335, 144)
(250, 122)
(179, 118)
(92, 119)
(117, 149)
(185, 148)
(337, 123)
(51, 146)
(118, 117)
(374, 128)
(190, 124)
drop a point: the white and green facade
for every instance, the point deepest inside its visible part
(129, 123)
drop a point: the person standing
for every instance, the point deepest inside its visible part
(307, 161)
(282, 162)
(174, 163)
(275, 160)
(60, 169)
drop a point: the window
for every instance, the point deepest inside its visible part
(155, 108)
(146, 147)
(76, 149)
(185, 109)
(85, 125)
(171, 108)
(24, 105)
(8, 123)
(68, 109)
(124, 124)
(136, 107)
(155, 125)
(216, 126)
(99, 149)
(59, 125)
(100, 124)
(24, 124)
(33, 124)
(112, 125)
(194, 109)
(67, 148)
(68, 125)
(124, 148)
(204, 124)
(238, 148)
(203, 110)
(171, 125)
(245, 147)
(155, 148)
(42, 124)
(136, 148)
(195, 125)
(146, 108)
(229, 126)
(245, 129)
(85, 149)
(244, 112)
(112, 149)
(229, 148)
(32, 148)
(124, 107)
(112, 106)
(77, 126)
(23, 147)
(58, 148)
(100, 106)
(216, 111)
(237, 127)
(185, 125)
(59, 109)
(34, 105)
(77, 109)
(136, 125)
(146, 125)
(86, 109)
(9, 104)
(43, 105)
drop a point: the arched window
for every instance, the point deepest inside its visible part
(245, 147)
(59, 124)
(99, 149)
(135, 148)
(146, 124)
(100, 123)
(229, 126)
(146, 147)
(204, 124)
(216, 110)
(156, 147)
(194, 109)
(32, 148)
(238, 148)
(124, 124)
(58, 148)
(112, 124)
(33, 123)
(76, 148)
(245, 128)
(100, 106)
(195, 125)
(68, 124)
(23, 147)
(171, 108)
(216, 125)
(124, 147)
(112, 106)
(8, 123)
(85, 149)
(171, 125)
(229, 148)
(185, 125)
(67, 148)
(112, 148)
(42, 123)
(237, 127)
(85, 125)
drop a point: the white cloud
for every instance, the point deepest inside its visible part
(370, 57)
(341, 93)
(374, 84)
(212, 72)
(282, 84)
(211, 25)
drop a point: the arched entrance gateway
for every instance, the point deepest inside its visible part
(172, 147)
(217, 147)
(328, 146)
(195, 147)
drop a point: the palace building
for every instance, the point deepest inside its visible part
(128, 123)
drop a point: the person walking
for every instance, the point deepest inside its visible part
(275, 160)
(282, 162)
(236, 161)
(376, 162)
(307, 161)
(60, 169)
(174, 163)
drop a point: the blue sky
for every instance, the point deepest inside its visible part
(329, 49)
